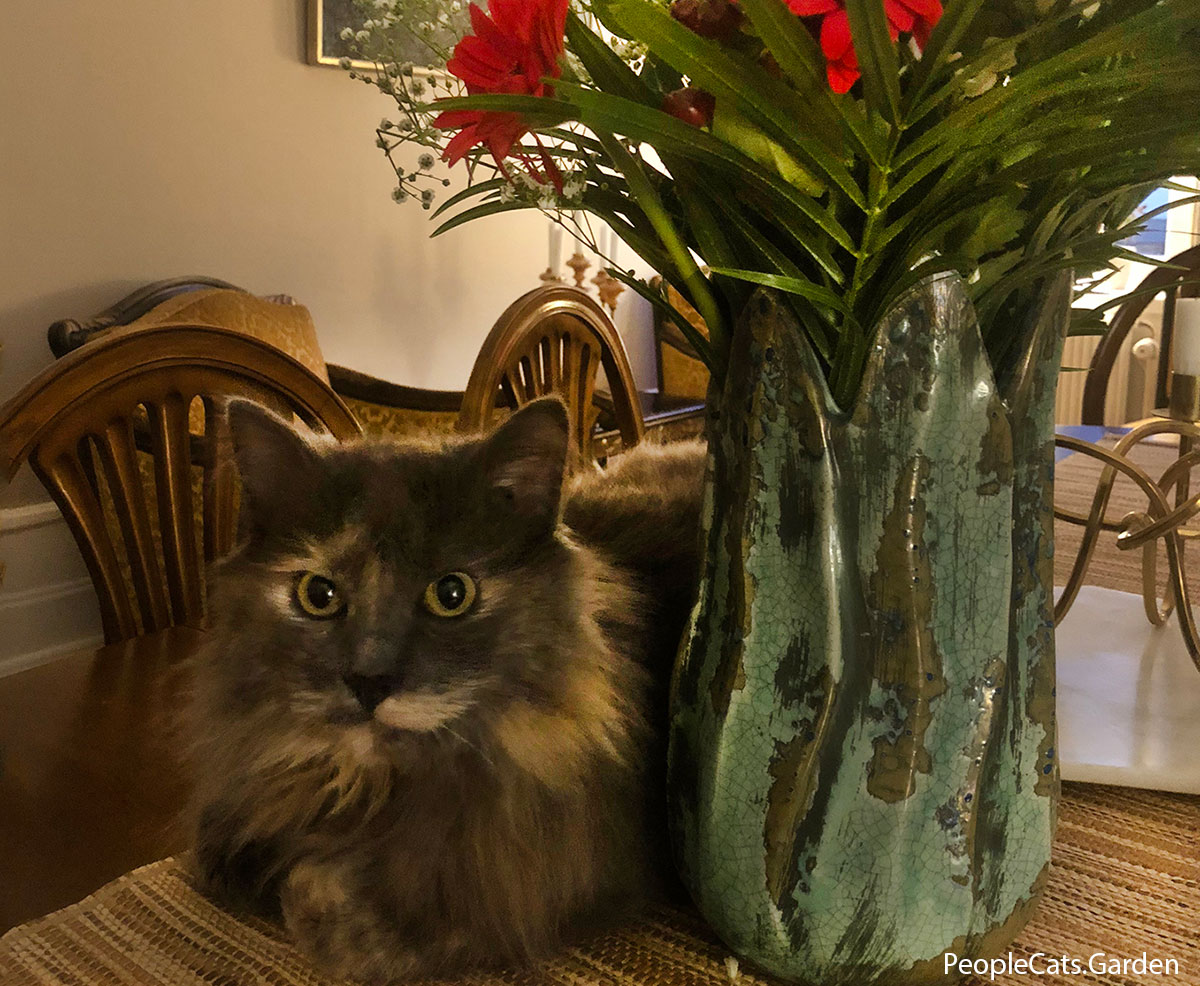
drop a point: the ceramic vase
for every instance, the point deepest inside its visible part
(863, 774)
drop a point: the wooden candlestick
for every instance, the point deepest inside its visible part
(579, 264)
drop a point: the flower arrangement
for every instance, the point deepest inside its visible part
(838, 151)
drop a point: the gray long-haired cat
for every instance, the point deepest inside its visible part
(430, 715)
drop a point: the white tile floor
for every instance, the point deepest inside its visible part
(1128, 697)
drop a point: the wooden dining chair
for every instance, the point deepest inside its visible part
(553, 340)
(84, 422)
(1181, 280)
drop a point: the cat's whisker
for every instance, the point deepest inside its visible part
(462, 739)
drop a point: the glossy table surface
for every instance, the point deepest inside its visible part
(1128, 693)
(91, 782)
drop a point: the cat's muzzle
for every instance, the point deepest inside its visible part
(370, 690)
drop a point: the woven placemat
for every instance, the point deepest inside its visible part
(1125, 881)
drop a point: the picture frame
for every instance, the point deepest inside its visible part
(326, 21)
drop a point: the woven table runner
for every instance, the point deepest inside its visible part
(1125, 881)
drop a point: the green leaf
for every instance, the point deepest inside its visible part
(766, 101)
(799, 56)
(876, 56)
(604, 113)
(539, 110)
(472, 190)
(478, 212)
(604, 65)
(698, 342)
(790, 285)
(728, 125)
(956, 20)
(698, 288)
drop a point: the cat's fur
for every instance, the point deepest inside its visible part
(507, 794)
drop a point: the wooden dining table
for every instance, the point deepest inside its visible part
(92, 776)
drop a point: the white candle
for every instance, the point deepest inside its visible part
(555, 247)
(574, 235)
(1187, 337)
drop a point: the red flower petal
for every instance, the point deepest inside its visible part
(512, 49)
(930, 10)
(835, 36)
(841, 78)
(898, 15)
(812, 8)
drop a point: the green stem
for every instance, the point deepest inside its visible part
(851, 354)
(697, 284)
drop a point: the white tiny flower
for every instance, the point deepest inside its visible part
(548, 199)
(385, 124)
(731, 968)
(508, 194)
(347, 33)
(343, 62)
(399, 194)
(417, 88)
(362, 36)
(425, 162)
(381, 143)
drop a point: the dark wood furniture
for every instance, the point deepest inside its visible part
(553, 340)
(351, 384)
(71, 333)
(77, 423)
(92, 782)
(584, 339)
(1180, 281)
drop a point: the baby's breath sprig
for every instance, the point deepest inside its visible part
(408, 42)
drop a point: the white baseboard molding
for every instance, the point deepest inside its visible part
(44, 622)
(23, 662)
(30, 515)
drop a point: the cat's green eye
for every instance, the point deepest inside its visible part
(317, 596)
(451, 595)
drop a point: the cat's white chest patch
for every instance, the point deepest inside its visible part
(423, 711)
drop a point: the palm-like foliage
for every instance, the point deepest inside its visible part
(1014, 146)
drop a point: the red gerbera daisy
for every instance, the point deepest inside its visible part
(841, 61)
(915, 16)
(510, 52)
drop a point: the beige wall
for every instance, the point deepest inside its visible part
(144, 139)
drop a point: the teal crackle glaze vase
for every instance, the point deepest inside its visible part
(862, 760)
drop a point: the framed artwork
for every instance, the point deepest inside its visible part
(328, 18)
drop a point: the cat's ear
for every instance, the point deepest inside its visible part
(275, 462)
(525, 458)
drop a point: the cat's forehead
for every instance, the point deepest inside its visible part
(393, 501)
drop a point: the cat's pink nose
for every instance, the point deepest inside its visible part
(370, 690)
